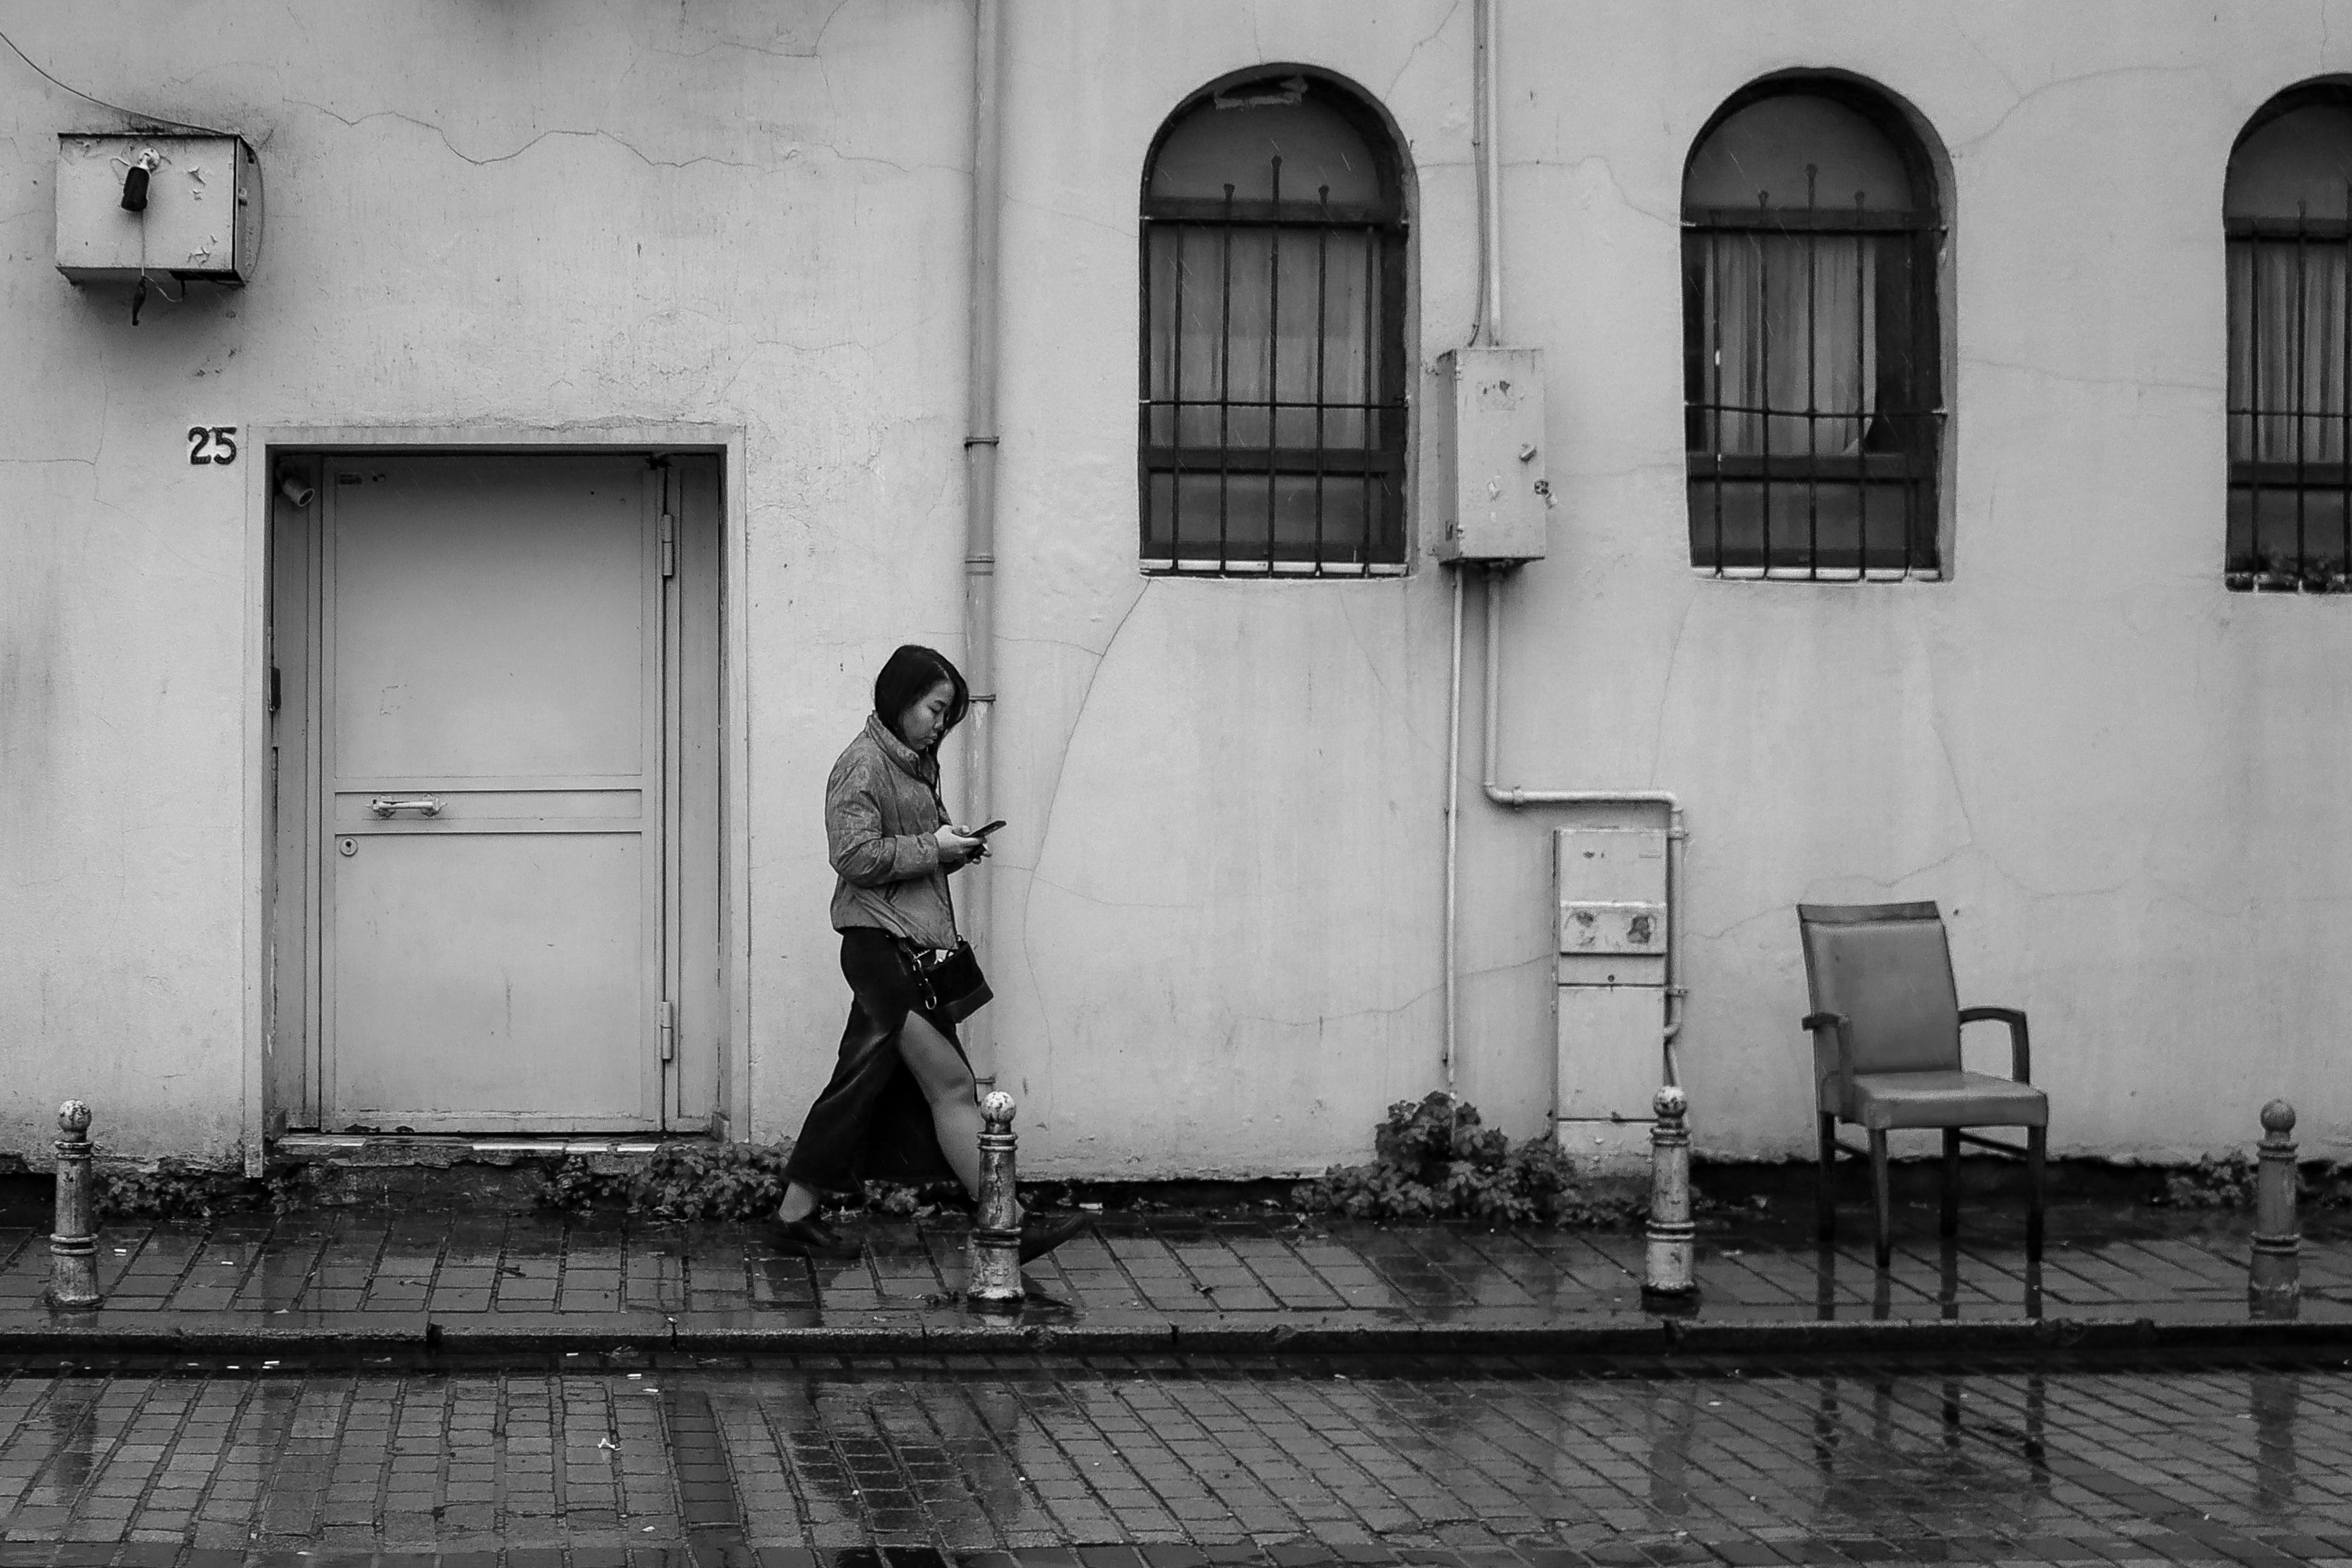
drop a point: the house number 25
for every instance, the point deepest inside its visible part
(212, 444)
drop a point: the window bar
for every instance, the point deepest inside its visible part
(2299, 401)
(1144, 401)
(1376, 495)
(1225, 382)
(1920, 401)
(1764, 382)
(1863, 256)
(1176, 416)
(1273, 369)
(1812, 386)
(1322, 344)
(2251, 460)
(2344, 399)
(1711, 376)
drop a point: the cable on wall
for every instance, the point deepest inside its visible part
(91, 97)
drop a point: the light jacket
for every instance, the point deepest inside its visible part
(881, 808)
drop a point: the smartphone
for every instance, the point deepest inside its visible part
(984, 832)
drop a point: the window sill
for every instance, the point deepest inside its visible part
(2315, 586)
(1262, 570)
(1837, 577)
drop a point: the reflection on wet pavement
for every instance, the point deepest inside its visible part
(1316, 1461)
(517, 1273)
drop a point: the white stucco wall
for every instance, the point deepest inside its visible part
(1218, 937)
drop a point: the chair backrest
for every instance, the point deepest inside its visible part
(1888, 968)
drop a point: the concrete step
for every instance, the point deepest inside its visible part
(423, 1149)
(488, 1174)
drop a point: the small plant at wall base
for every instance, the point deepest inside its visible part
(2227, 1182)
(679, 1182)
(1437, 1159)
(173, 1191)
(686, 1182)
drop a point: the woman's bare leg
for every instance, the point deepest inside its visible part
(799, 1202)
(947, 1085)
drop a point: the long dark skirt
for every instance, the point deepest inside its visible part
(872, 1122)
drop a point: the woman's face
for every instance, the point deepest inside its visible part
(920, 725)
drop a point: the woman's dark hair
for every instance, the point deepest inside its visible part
(907, 678)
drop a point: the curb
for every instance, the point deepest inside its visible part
(1625, 1336)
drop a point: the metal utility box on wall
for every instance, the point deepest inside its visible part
(201, 220)
(1612, 932)
(1489, 436)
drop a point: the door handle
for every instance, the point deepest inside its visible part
(424, 804)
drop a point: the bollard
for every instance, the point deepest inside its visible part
(992, 1268)
(2275, 1284)
(1667, 1272)
(73, 1250)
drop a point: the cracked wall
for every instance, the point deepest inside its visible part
(517, 215)
(1218, 937)
(2115, 777)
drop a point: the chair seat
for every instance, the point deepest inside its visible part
(1886, 1100)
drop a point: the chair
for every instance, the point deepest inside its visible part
(1887, 1054)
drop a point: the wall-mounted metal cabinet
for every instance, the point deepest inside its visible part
(200, 218)
(1612, 938)
(1488, 439)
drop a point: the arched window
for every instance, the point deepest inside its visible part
(2287, 212)
(1272, 433)
(1815, 422)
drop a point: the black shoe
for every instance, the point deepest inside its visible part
(810, 1236)
(1041, 1235)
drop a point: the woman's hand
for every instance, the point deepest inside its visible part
(957, 848)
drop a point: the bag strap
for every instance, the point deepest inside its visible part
(947, 881)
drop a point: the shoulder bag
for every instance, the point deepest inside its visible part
(948, 981)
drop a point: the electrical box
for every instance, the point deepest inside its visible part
(1612, 938)
(1613, 907)
(202, 212)
(1489, 438)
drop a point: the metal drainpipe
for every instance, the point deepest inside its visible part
(1490, 175)
(1488, 325)
(1452, 833)
(980, 480)
(1516, 798)
(1486, 144)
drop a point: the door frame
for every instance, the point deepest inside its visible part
(263, 444)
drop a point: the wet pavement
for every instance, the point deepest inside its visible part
(1145, 1282)
(1165, 1462)
(408, 1388)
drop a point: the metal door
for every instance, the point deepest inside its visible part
(490, 728)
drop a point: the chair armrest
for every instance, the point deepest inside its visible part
(2021, 1044)
(1843, 1030)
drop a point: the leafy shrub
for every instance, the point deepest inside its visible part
(173, 1191)
(2226, 1182)
(1438, 1160)
(679, 1182)
(708, 1180)
(576, 1186)
(893, 1200)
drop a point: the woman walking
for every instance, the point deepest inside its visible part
(903, 1102)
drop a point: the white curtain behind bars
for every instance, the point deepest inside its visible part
(2286, 350)
(1795, 325)
(1249, 338)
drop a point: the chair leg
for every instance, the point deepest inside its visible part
(2037, 1142)
(1879, 1202)
(1950, 1220)
(1825, 1190)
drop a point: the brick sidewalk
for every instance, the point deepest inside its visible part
(457, 1280)
(1178, 1462)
